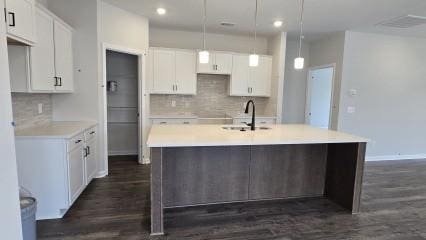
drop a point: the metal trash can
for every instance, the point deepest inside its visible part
(28, 218)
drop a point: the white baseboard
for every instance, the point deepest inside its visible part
(101, 174)
(122, 153)
(395, 157)
(146, 160)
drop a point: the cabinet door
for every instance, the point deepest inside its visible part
(63, 57)
(42, 55)
(164, 72)
(76, 173)
(186, 75)
(240, 76)
(91, 165)
(223, 63)
(206, 67)
(20, 19)
(260, 77)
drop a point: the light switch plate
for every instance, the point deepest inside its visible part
(353, 92)
(351, 109)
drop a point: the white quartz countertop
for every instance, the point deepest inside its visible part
(55, 130)
(215, 135)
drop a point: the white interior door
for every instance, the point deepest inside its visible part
(63, 57)
(42, 55)
(319, 97)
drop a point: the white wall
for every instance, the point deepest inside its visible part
(83, 103)
(389, 74)
(194, 40)
(10, 217)
(295, 84)
(328, 51)
(125, 30)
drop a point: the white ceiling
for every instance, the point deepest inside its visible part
(321, 16)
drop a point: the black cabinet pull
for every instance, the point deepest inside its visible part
(92, 133)
(13, 24)
(88, 150)
(85, 152)
(60, 81)
(56, 81)
(78, 141)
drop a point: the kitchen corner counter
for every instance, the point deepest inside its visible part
(215, 135)
(58, 129)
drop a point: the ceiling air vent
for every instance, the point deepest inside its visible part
(404, 22)
(227, 24)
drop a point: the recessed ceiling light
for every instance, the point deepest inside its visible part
(161, 11)
(278, 23)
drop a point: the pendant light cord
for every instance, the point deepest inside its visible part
(301, 26)
(204, 24)
(255, 28)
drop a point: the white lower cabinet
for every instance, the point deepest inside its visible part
(177, 121)
(259, 120)
(90, 153)
(56, 170)
(76, 172)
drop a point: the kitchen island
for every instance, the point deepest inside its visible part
(210, 164)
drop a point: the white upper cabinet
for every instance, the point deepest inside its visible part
(63, 57)
(43, 55)
(251, 81)
(50, 61)
(20, 20)
(219, 63)
(186, 77)
(172, 71)
(260, 77)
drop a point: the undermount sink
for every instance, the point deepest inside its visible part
(244, 128)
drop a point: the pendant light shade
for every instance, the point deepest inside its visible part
(203, 56)
(299, 62)
(254, 58)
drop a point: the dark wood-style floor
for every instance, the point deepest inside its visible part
(117, 207)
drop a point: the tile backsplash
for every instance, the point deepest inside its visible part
(212, 100)
(25, 109)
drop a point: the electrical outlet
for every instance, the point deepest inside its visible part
(351, 109)
(173, 103)
(40, 108)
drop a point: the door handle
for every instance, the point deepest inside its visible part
(13, 24)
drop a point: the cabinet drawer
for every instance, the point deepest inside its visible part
(174, 121)
(74, 142)
(90, 134)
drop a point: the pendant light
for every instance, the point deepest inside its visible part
(203, 56)
(299, 62)
(254, 58)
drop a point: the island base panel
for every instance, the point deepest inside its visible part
(345, 168)
(157, 209)
(186, 176)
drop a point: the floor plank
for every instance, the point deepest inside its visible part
(117, 207)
